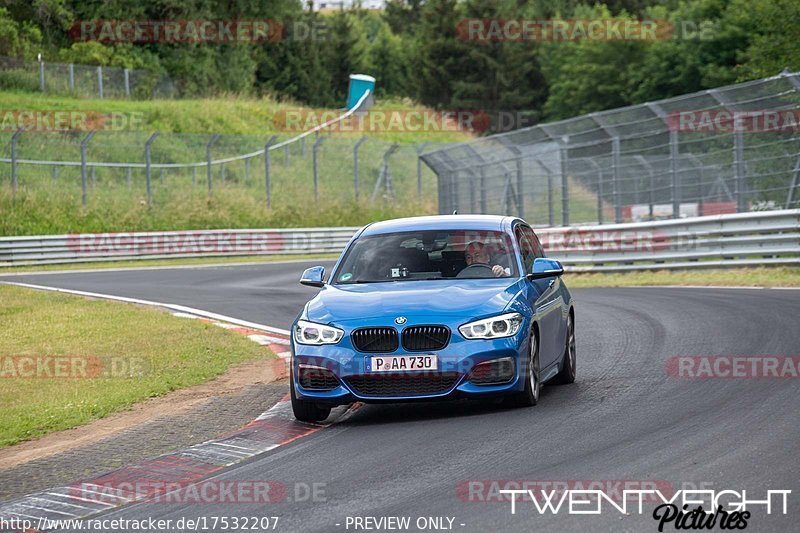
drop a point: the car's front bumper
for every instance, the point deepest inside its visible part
(457, 359)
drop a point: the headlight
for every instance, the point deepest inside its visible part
(311, 333)
(493, 328)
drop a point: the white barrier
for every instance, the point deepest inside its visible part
(747, 239)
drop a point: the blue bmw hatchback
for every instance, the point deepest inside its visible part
(431, 308)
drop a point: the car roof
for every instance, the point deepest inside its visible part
(444, 222)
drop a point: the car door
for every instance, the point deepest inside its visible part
(545, 298)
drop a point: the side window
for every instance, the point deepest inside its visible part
(525, 248)
(534, 240)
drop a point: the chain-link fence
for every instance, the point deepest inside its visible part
(732, 149)
(83, 80)
(316, 168)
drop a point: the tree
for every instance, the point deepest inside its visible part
(437, 53)
(589, 75)
(387, 62)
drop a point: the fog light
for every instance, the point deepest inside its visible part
(316, 378)
(495, 372)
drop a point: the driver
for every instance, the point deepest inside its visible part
(476, 253)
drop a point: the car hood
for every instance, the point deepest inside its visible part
(373, 302)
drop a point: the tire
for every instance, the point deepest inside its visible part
(569, 360)
(305, 411)
(530, 395)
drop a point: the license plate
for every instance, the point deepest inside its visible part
(402, 363)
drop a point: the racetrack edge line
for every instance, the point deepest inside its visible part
(173, 307)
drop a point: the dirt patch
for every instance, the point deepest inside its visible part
(231, 382)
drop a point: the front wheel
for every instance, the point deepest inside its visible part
(530, 395)
(305, 411)
(569, 361)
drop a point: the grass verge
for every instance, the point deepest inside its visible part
(104, 357)
(740, 277)
(232, 115)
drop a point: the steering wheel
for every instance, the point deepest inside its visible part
(476, 270)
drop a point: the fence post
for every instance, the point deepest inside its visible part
(314, 155)
(14, 160)
(738, 170)
(128, 177)
(54, 173)
(71, 71)
(161, 176)
(473, 206)
(286, 155)
(599, 195)
(222, 172)
(100, 81)
(520, 190)
(793, 185)
(482, 185)
(564, 185)
(615, 156)
(268, 170)
(93, 176)
(147, 167)
(247, 171)
(127, 73)
(303, 146)
(384, 174)
(41, 76)
(419, 167)
(209, 174)
(194, 177)
(356, 169)
(387, 174)
(84, 142)
(551, 218)
(673, 169)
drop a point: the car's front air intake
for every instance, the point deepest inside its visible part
(422, 338)
(375, 340)
(317, 379)
(402, 385)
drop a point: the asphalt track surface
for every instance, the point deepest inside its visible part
(625, 418)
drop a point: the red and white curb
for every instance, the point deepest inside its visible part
(272, 429)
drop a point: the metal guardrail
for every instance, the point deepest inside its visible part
(92, 247)
(747, 239)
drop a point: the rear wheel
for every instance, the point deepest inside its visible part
(306, 411)
(569, 361)
(530, 395)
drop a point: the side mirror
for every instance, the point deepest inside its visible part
(545, 268)
(313, 277)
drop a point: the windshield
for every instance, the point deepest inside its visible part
(428, 255)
